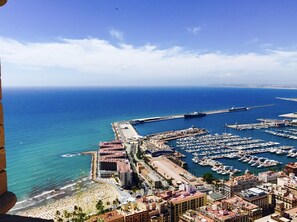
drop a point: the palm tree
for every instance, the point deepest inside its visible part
(100, 207)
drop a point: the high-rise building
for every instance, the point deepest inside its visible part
(7, 199)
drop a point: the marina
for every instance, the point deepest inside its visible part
(209, 150)
(224, 153)
(218, 151)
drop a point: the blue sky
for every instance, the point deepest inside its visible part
(148, 43)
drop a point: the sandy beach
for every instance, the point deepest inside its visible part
(86, 199)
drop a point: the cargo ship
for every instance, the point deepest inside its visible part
(233, 109)
(194, 114)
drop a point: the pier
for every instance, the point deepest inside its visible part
(172, 135)
(263, 124)
(94, 164)
(125, 131)
(179, 116)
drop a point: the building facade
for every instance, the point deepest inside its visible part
(291, 168)
(239, 183)
(184, 202)
(7, 199)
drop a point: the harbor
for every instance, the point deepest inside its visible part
(212, 150)
(209, 149)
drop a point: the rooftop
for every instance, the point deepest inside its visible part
(195, 216)
(216, 211)
(252, 193)
(124, 166)
(110, 216)
(216, 196)
(185, 196)
(292, 165)
(239, 202)
(111, 144)
(242, 179)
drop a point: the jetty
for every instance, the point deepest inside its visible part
(179, 116)
(125, 131)
(94, 164)
(287, 99)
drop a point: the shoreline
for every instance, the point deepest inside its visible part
(45, 196)
(86, 198)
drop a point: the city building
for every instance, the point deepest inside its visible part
(273, 218)
(194, 216)
(149, 175)
(292, 214)
(239, 183)
(291, 168)
(253, 211)
(283, 192)
(219, 212)
(158, 208)
(214, 197)
(270, 176)
(113, 160)
(184, 200)
(255, 196)
(113, 216)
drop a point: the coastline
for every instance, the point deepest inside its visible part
(85, 198)
(84, 193)
(70, 154)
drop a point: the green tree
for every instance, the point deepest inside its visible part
(100, 207)
(208, 177)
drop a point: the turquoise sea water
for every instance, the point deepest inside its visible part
(42, 125)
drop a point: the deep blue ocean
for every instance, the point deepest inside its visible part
(42, 125)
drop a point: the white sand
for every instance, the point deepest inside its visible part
(85, 199)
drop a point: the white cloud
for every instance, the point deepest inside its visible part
(194, 30)
(98, 62)
(116, 34)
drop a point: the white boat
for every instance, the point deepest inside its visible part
(195, 159)
(246, 160)
(215, 169)
(281, 152)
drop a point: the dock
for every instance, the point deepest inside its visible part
(263, 124)
(177, 134)
(289, 115)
